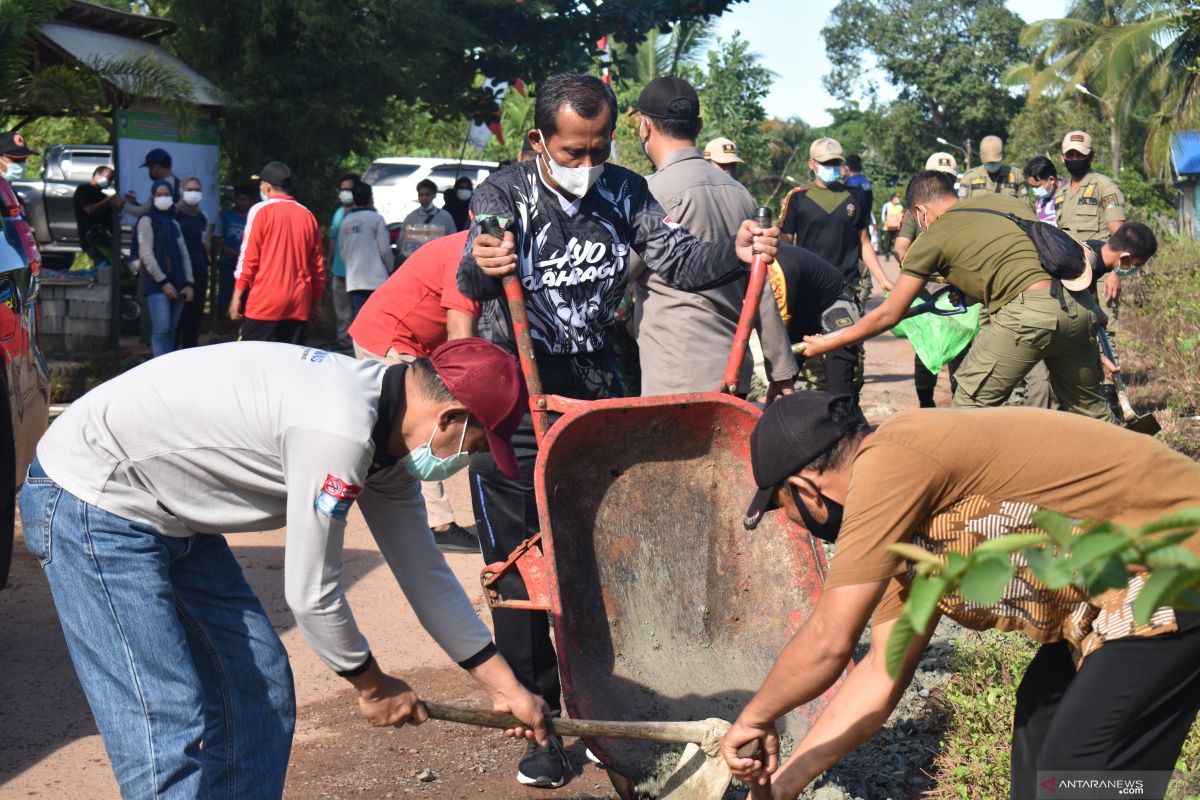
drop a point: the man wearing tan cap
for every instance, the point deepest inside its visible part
(722, 153)
(993, 175)
(941, 162)
(1091, 206)
(830, 219)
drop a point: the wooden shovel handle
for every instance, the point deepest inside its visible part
(672, 732)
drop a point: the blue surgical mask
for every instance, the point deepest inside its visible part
(1040, 191)
(994, 167)
(423, 465)
(15, 170)
(829, 173)
(1124, 267)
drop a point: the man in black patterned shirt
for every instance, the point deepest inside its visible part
(572, 223)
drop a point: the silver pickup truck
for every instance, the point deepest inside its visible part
(50, 202)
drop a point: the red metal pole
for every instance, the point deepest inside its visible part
(758, 278)
(533, 379)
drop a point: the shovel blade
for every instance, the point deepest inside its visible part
(697, 777)
(1144, 423)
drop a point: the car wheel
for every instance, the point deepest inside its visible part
(67, 380)
(8, 486)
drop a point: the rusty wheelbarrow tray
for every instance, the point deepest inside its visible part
(663, 606)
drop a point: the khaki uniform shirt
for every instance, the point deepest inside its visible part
(684, 338)
(921, 478)
(908, 226)
(1086, 209)
(978, 180)
(988, 257)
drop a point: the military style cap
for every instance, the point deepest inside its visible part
(1079, 141)
(942, 162)
(824, 150)
(991, 149)
(722, 151)
(12, 144)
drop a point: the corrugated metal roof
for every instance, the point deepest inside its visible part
(1185, 152)
(90, 46)
(114, 20)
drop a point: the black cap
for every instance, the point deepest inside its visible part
(12, 144)
(669, 98)
(275, 173)
(793, 432)
(157, 156)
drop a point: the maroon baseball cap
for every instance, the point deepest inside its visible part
(488, 381)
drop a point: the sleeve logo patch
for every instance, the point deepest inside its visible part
(336, 497)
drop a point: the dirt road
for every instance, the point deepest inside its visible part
(49, 747)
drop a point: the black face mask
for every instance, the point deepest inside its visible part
(1079, 167)
(831, 527)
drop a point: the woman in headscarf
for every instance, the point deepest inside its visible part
(166, 273)
(194, 225)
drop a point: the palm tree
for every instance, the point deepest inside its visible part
(30, 89)
(1123, 51)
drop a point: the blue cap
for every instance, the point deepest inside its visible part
(157, 156)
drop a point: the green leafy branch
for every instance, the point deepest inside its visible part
(1093, 558)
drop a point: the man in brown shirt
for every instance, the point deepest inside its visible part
(949, 480)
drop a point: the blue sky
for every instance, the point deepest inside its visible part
(789, 43)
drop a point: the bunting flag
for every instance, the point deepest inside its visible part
(606, 76)
(479, 133)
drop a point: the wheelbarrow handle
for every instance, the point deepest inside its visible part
(515, 294)
(670, 732)
(758, 278)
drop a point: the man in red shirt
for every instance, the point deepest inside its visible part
(415, 310)
(282, 261)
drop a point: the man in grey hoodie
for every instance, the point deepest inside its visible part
(129, 495)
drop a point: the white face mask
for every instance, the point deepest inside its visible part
(192, 197)
(463, 194)
(576, 181)
(163, 202)
(346, 197)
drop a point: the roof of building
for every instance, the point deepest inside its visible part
(1185, 152)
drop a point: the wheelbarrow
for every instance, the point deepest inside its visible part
(664, 607)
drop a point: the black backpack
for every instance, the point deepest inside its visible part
(1058, 251)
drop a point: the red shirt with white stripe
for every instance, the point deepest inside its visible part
(408, 312)
(281, 264)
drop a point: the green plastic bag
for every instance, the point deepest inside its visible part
(937, 340)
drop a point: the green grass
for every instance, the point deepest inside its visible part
(973, 762)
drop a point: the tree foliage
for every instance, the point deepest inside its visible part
(945, 58)
(315, 81)
(1136, 54)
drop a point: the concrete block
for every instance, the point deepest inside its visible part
(53, 308)
(86, 327)
(85, 344)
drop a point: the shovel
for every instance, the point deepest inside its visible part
(701, 774)
(1139, 423)
(953, 296)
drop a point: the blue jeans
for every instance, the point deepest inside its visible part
(164, 319)
(189, 684)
